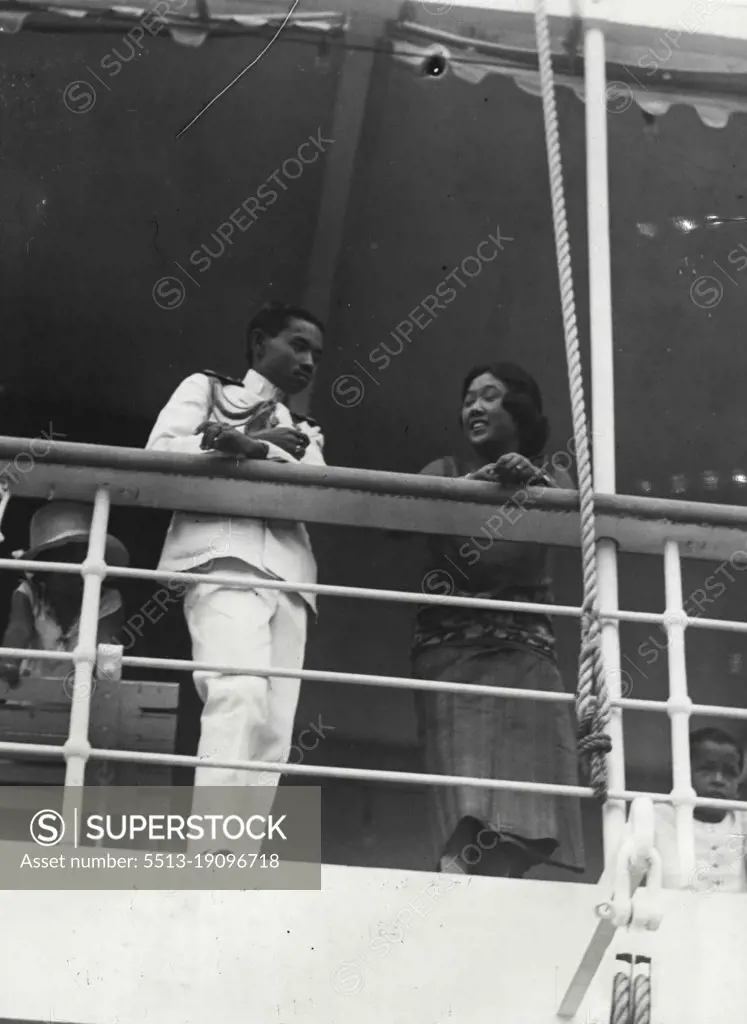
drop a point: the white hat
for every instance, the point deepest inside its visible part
(66, 522)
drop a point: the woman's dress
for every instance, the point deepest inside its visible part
(495, 737)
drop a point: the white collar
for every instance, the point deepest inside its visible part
(261, 387)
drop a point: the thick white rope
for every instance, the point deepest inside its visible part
(631, 990)
(592, 700)
(641, 1000)
(620, 1009)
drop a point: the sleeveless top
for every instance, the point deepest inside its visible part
(485, 567)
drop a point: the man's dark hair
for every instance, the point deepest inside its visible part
(523, 403)
(711, 734)
(272, 318)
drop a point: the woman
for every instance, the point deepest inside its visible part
(482, 831)
(45, 611)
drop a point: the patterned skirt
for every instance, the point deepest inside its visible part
(498, 738)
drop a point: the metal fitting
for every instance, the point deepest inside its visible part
(73, 748)
(679, 706)
(83, 655)
(94, 567)
(109, 662)
(683, 797)
(637, 855)
(675, 619)
(436, 62)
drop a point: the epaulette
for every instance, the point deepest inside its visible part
(222, 378)
(304, 419)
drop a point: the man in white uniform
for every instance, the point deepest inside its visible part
(246, 717)
(720, 836)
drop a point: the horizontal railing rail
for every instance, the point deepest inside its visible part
(374, 499)
(378, 594)
(136, 478)
(378, 775)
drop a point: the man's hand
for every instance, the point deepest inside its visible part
(292, 441)
(10, 672)
(219, 438)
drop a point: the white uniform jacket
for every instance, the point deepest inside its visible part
(279, 549)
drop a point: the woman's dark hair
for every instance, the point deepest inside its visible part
(523, 403)
(273, 318)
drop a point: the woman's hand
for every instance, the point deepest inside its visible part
(517, 467)
(488, 473)
(513, 468)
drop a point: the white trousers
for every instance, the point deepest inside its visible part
(246, 717)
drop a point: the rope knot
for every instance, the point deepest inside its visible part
(594, 743)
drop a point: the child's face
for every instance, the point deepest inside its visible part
(64, 587)
(716, 770)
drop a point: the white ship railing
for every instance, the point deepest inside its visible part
(63, 472)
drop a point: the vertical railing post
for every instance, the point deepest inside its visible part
(679, 707)
(77, 749)
(603, 408)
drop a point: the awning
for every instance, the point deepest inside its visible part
(188, 21)
(657, 71)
